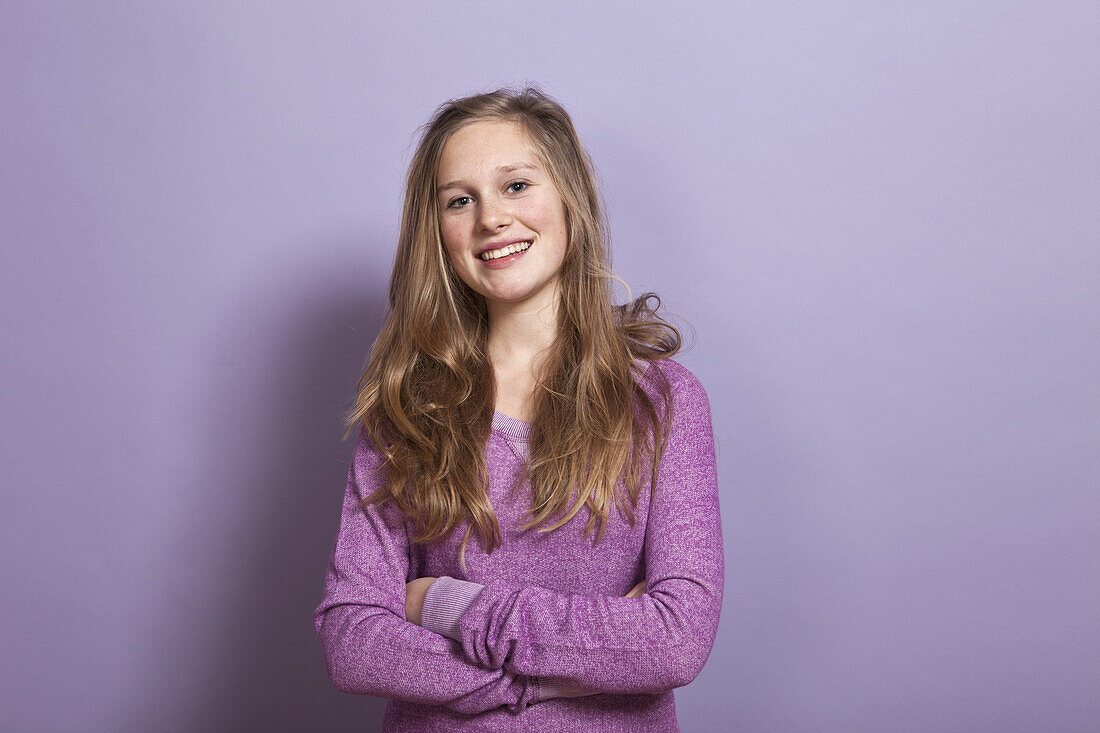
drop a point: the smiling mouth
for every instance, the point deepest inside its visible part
(511, 249)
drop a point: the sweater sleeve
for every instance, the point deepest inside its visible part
(368, 645)
(648, 644)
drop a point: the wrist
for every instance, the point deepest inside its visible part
(444, 603)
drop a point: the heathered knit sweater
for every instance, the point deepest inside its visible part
(538, 635)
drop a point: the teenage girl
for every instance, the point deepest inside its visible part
(530, 537)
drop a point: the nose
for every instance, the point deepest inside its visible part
(495, 214)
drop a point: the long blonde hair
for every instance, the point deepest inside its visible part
(426, 398)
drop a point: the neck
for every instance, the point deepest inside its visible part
(520, 332)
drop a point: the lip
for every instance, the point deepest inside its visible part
(503, 243)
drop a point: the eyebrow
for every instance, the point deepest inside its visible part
(501, 169)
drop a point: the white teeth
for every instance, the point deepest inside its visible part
(504, 251)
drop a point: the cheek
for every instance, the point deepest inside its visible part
(453, 242)
(553, 221)
(544, 216)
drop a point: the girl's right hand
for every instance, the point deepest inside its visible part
(636, 590)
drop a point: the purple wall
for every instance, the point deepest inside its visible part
(879, 218)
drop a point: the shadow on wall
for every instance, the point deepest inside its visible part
(264, 670)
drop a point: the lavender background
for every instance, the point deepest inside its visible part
(880, 219)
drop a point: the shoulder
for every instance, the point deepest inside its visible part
(681, 381)
(367, 462)
(689, 402)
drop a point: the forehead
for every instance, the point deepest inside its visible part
(481, 148)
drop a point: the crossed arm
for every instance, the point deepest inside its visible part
(415, 594)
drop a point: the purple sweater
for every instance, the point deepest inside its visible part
(536, 636)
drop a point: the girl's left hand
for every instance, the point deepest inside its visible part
(414, 598)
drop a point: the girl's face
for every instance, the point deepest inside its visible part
(495, 194)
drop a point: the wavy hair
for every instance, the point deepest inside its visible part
(427, 395)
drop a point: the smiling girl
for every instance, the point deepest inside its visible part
(530, 537)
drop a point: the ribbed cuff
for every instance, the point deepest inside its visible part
(445, 602)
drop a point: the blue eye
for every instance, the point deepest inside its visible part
(454, 203)
(518, 183)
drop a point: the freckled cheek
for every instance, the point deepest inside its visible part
(538, 215)
(453, 241)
